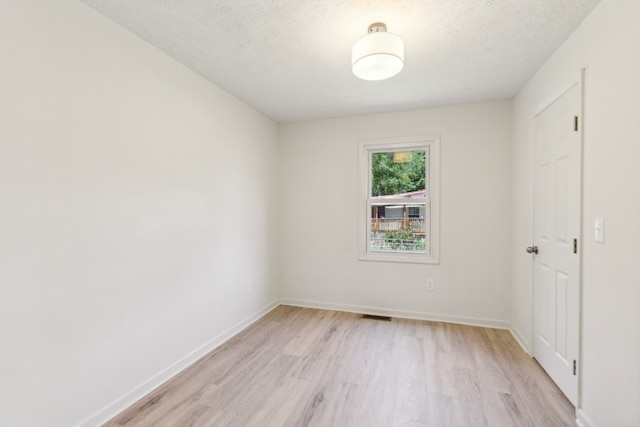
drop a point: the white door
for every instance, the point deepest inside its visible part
(556, 273)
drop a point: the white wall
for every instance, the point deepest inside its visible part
(319, 223)
(607, 45)
(136, 199)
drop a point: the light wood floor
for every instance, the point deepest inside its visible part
(306, 367)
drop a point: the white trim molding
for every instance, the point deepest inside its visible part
(131, 397)
(582, 420)
(404, 314)
(520, 340)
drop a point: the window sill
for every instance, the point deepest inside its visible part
(399, 258)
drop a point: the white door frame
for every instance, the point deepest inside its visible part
(578, 80)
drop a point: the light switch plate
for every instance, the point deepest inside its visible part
(598, 230)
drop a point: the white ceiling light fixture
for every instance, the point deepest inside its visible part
(378, 55)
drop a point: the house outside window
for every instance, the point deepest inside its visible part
(399, 194)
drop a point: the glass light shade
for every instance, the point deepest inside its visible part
(377, 56)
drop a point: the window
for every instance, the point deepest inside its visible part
(398, 215)
(414, 212)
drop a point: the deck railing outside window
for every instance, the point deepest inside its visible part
(417, 225)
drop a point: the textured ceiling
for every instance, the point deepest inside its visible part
(291, 59)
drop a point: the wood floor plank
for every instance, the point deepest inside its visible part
(309, 334)
(306, 367)
(280, 404)
(411, 395)
(379, 397)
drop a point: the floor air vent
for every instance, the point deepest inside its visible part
(374, 317)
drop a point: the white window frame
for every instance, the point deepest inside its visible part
(432, 201)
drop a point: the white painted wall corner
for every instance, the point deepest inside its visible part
(582, 420)
(520, 340)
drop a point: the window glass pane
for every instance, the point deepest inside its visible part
(397, 227)
(399, 174)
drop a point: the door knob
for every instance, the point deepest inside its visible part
(532, 250)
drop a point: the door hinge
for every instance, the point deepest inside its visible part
(575, 367)
(575, 123)
(575, 246)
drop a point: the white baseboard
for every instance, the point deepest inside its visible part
(520, 340)
(582, 420)
(122, 403)
(471, 321)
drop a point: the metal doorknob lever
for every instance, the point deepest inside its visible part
(532, 250)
